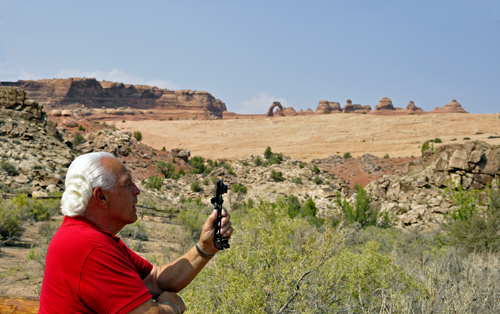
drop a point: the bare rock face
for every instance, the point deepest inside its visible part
(417, 199)
(348, 106)
(452, 107)
(411, 107)
(31, 144)
(13, 103)
(94, 94)
(325, 106)
(384, 104)
(289, 111)
(279, 111)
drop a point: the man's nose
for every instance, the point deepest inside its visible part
(136, 190)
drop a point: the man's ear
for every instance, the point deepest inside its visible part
(100, 197)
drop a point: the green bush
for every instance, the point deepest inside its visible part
(258, 161)
(361, 212)
(425, 146)
(71, 124)
(198, 164)
(167, 169)
(293, 268)
(9, 168)
(245, 163)
(347, 155)
(466, 138)
(317, 180)
(437, 140)
(78, 139)
(271, 157)
(154, 182)
(386, 156)
(315, 169)
(297, 181)
(195, 186)
(137, 135)
(471, 227)
(277, 176)
(301, 165)
(128, 149)
(239, 188)
(192, 216)
(81, 128)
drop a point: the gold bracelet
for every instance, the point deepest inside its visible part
(202, 253)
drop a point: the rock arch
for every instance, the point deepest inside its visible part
(274, 105)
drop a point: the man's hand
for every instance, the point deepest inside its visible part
(151, 307)
(207, 232)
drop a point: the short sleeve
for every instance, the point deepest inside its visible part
(143, 267)
(110, 283)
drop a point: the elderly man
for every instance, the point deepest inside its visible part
(89, 270)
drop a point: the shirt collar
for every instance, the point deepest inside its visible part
(86, 223)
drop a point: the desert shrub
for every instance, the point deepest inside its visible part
(239, 188)
(229, 169)
(137, 231)
(195, 186)
(301, 165)
(206, 182)
(493, 136)
(167, 169)
(386, 156)
(81, 128)
(437, 140)
(466, 138)
(258, 161)
(297, 181)
(198, 164)
(137, 135)
(425, 146)
(163, 149)
(47, 229)
(347, 155)
(361, 211)
(245, 163)
(77, 139)
(317, 180)
(11, 221)
(128, 149)
(293, 268)
(71, 124)
(315, 169)
(9, 168)
(277, 176)
(471, 227)
(192, 216)
(154, 182)
(271, 157)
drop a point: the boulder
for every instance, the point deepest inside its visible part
(384, 104)
(411, 107)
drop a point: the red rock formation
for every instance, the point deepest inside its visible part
(289, 111)
(279, 111)
(348, 106)
(452, 107)
(325, 106)
(94, 94)
(411, 107)
(384, 104)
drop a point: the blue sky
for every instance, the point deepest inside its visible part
(251, 53)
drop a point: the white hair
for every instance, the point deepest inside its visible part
(85, 173)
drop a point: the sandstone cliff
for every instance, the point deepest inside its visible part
(72, 92)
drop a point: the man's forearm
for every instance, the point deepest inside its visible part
(178, 274)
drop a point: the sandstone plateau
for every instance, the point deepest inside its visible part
(75, 92)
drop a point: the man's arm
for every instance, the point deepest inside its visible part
(178, 274)
(174, 305)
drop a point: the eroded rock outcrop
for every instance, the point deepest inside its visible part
(452, 107)
(384, 104)
(32, 149)
(417, 198)
(97, 94)
(325, 106)
(411, 107)
(279, 111)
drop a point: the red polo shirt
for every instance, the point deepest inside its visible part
(89, 270)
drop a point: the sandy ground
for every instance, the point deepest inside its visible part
(318, 136)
